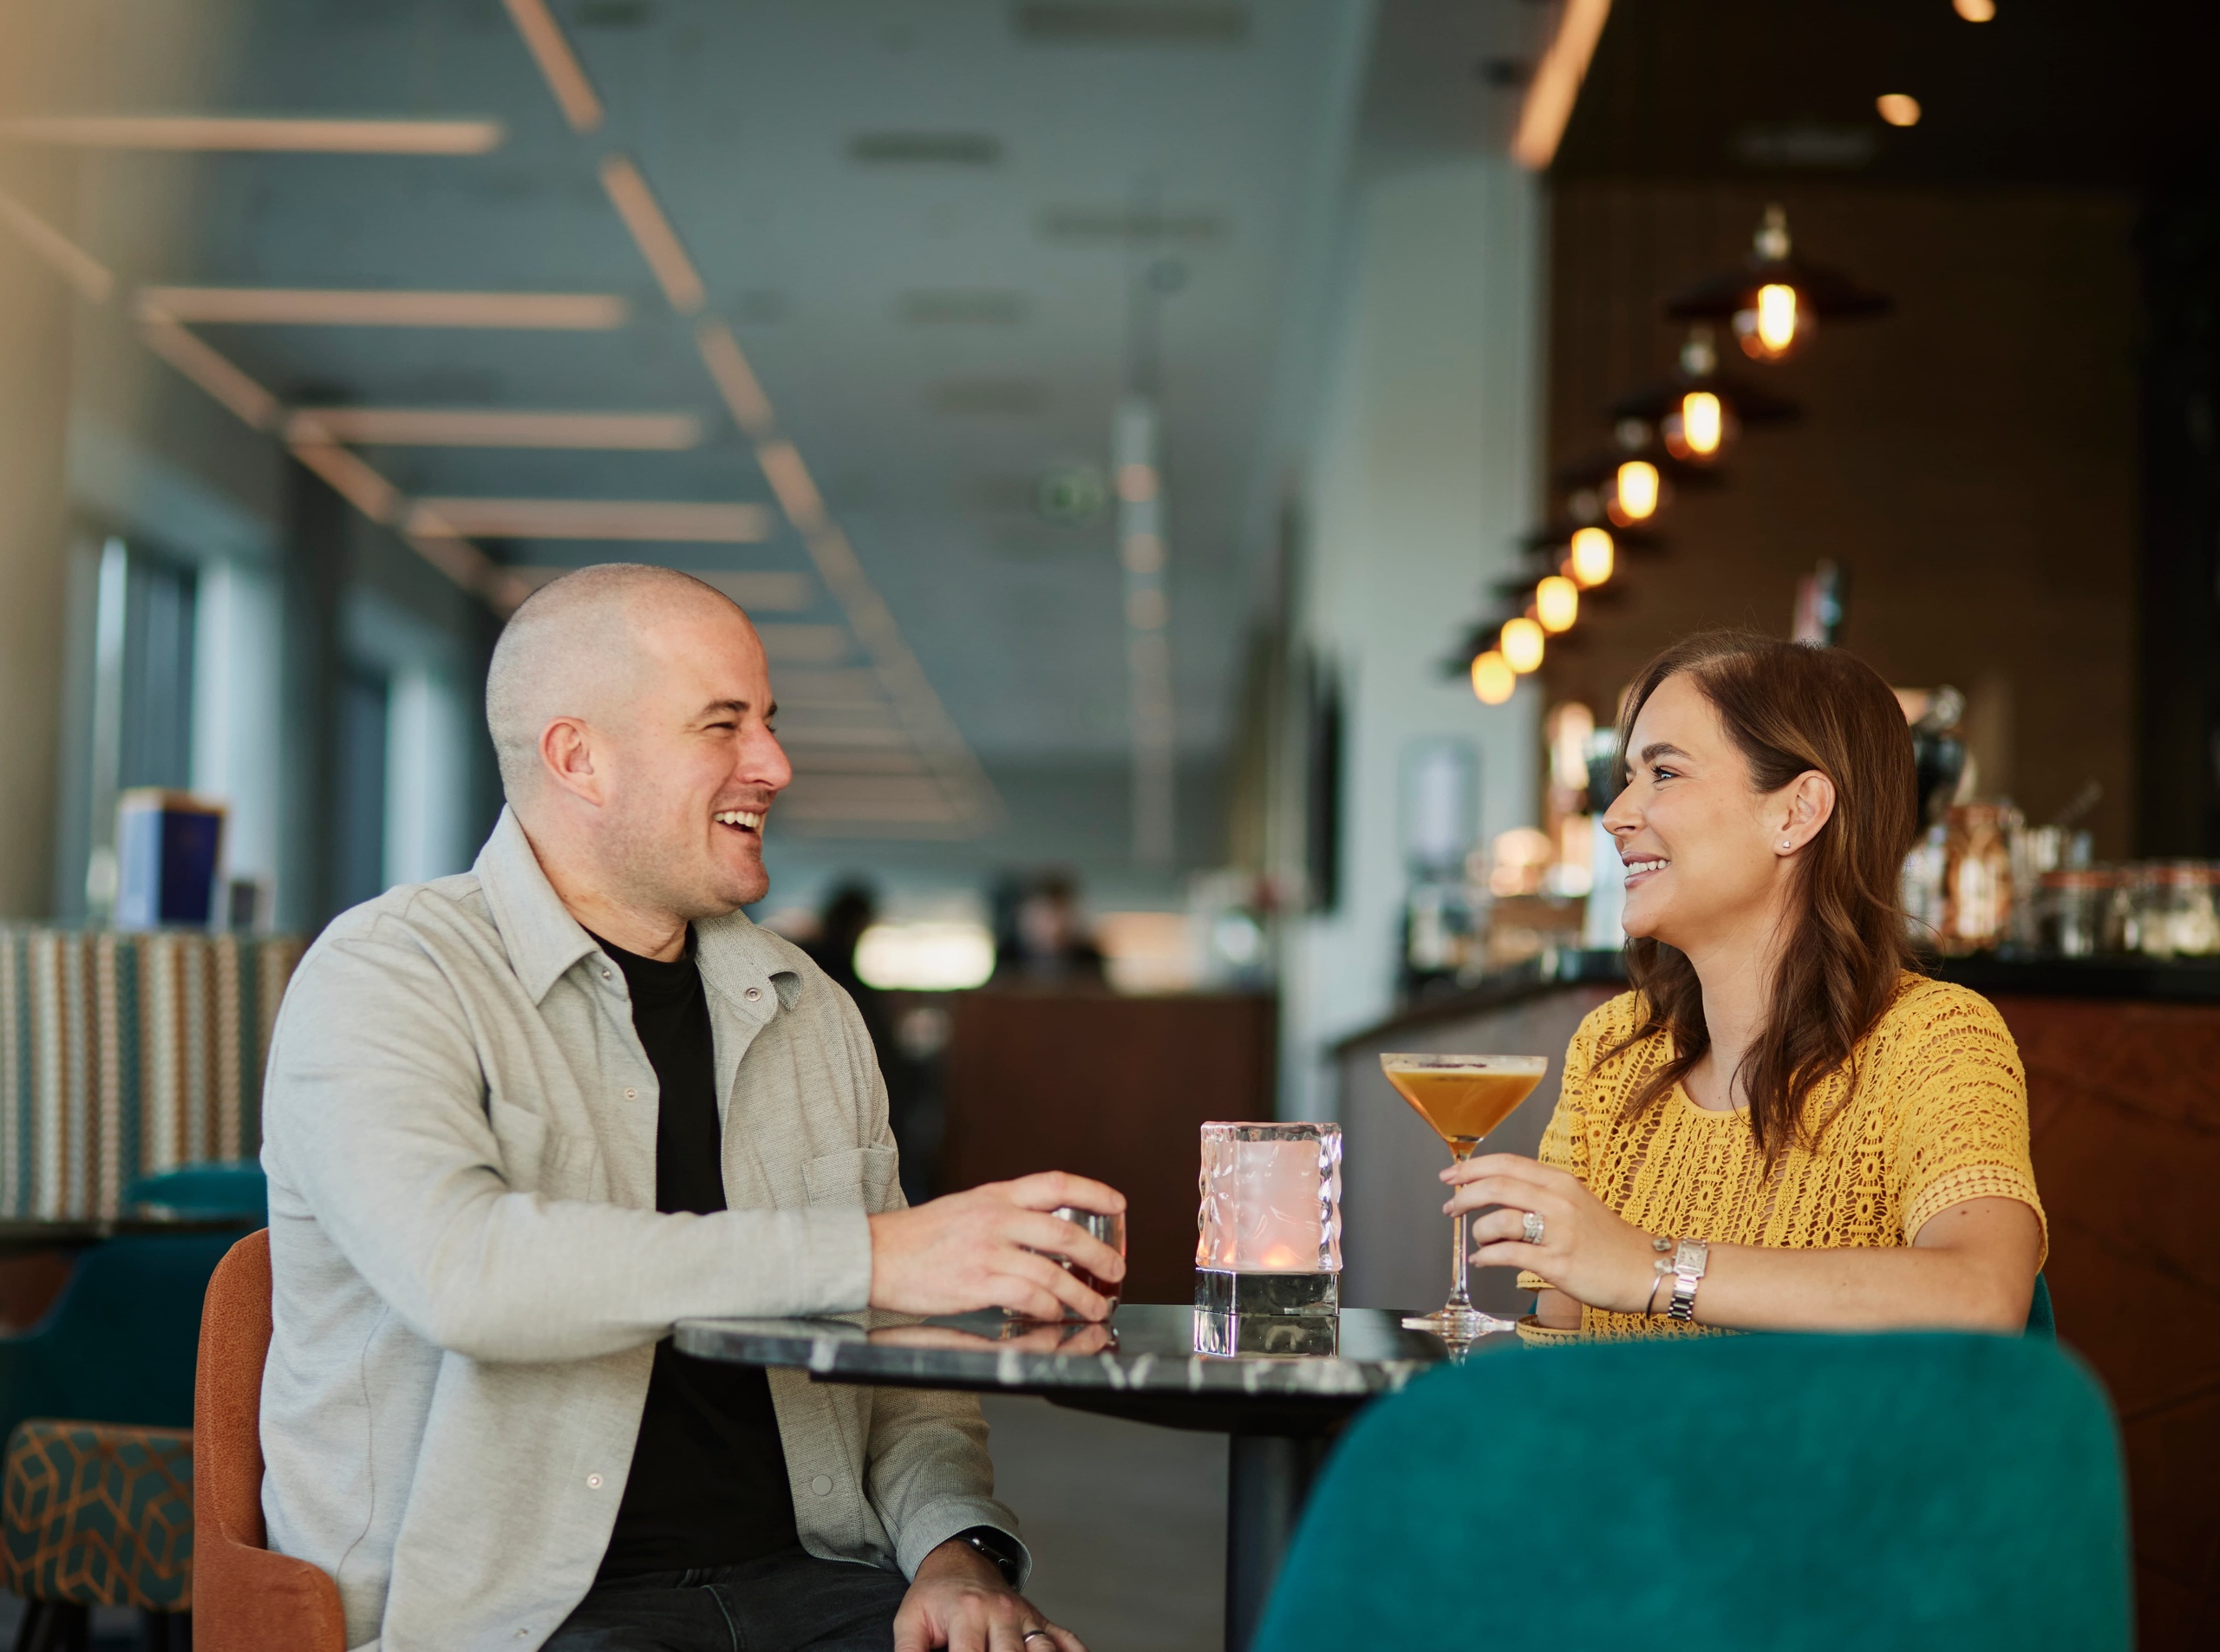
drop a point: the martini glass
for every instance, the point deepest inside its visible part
(1463, 1097)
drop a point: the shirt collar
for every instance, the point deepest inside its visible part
(544, 941)
(542, 937)
(735, 954)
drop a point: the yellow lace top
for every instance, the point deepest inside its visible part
(1938, 1116)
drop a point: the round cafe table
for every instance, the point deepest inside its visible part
(1281, 1390)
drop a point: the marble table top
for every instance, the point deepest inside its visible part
(1145, 1349)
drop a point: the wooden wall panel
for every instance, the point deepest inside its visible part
(2126, 1136)
(1116, 1088)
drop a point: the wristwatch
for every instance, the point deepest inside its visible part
(997, 1546)
(1689, 1261)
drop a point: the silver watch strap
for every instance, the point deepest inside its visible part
(1689, 1261)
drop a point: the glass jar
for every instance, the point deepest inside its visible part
(1976, 879)
(2179, 914)
(2070, 910)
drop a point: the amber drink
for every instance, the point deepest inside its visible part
(1463, 1098)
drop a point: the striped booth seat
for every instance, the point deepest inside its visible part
(123, 1055)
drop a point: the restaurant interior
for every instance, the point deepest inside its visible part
(1203, 474)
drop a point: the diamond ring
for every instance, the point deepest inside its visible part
(1533, 1227)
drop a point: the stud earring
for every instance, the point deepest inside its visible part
(1784, 843)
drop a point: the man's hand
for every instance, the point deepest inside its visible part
(958, 1600)
(984, 1248)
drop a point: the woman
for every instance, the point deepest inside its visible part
(1780, 1127)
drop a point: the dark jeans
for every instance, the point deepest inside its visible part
(783, 1603)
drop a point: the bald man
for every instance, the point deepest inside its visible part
(519, 1121)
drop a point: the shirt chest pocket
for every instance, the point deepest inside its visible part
(536, 1160)
(856, 1176)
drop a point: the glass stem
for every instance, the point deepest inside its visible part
(1459, 1289)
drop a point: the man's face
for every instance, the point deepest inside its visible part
(693, 767)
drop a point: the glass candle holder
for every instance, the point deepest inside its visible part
(1270, 1229)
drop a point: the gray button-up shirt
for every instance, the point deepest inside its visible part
(471, 1275)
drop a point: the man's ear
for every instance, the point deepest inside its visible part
(566, 752)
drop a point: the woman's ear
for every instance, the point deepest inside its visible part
(1809, 799)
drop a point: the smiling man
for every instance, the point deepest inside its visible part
(519, 1121)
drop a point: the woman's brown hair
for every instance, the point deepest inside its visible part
(1789, 708)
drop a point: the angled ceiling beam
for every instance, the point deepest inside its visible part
(251, 404)
(735, 379)
(304, 307)
(652, 233)
(558, 64)
(258, 133)
(495, 428)
(1556, 85)
(94, 280)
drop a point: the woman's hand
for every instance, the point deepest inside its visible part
(1587, 1250)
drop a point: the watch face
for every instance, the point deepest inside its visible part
(1691, 1256)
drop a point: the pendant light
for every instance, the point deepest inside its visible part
(1773, 303)
(1493, 681)
(1557, 603)
(1592, 557)
(1522, 645)
(1699, 412)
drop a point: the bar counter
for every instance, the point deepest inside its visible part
(2122, 1057)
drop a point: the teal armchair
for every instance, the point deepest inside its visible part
(225, 1187)
(1772, 1492)
(119, 1343)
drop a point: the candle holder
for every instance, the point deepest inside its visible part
(1270, 1222)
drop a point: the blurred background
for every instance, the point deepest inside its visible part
(1205, 473)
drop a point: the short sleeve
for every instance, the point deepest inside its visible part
(1964, 1130)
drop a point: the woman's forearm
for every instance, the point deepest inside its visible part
(1971, 1268)
(1753, 1287)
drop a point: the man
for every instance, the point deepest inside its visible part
(521, 1120)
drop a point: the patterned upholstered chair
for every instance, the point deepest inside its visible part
(246, 1598)
(97, 1514)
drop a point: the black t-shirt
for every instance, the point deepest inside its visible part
(708, 1483)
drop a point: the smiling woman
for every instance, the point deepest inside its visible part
(1781, 1125)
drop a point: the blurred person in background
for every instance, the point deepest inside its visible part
(1041, 937)
(521, 1120)
(852, 908)
(1782, 1127)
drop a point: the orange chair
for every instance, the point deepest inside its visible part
(245, 1598)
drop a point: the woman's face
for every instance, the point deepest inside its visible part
(1701, 846)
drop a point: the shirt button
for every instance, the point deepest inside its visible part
(593, 1482)
(822, 1485)
(632, 1095)
(754, 993)
(605, 975)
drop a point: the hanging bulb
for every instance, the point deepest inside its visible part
(1493, 681)
(1776, 317)
(1775, 326)
(1697, 429)
(1635, 494)
(1703, 423)
(1592, 555)
(1778, 321)
(1522, 645)
(1557, 603)
(1699, 356)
